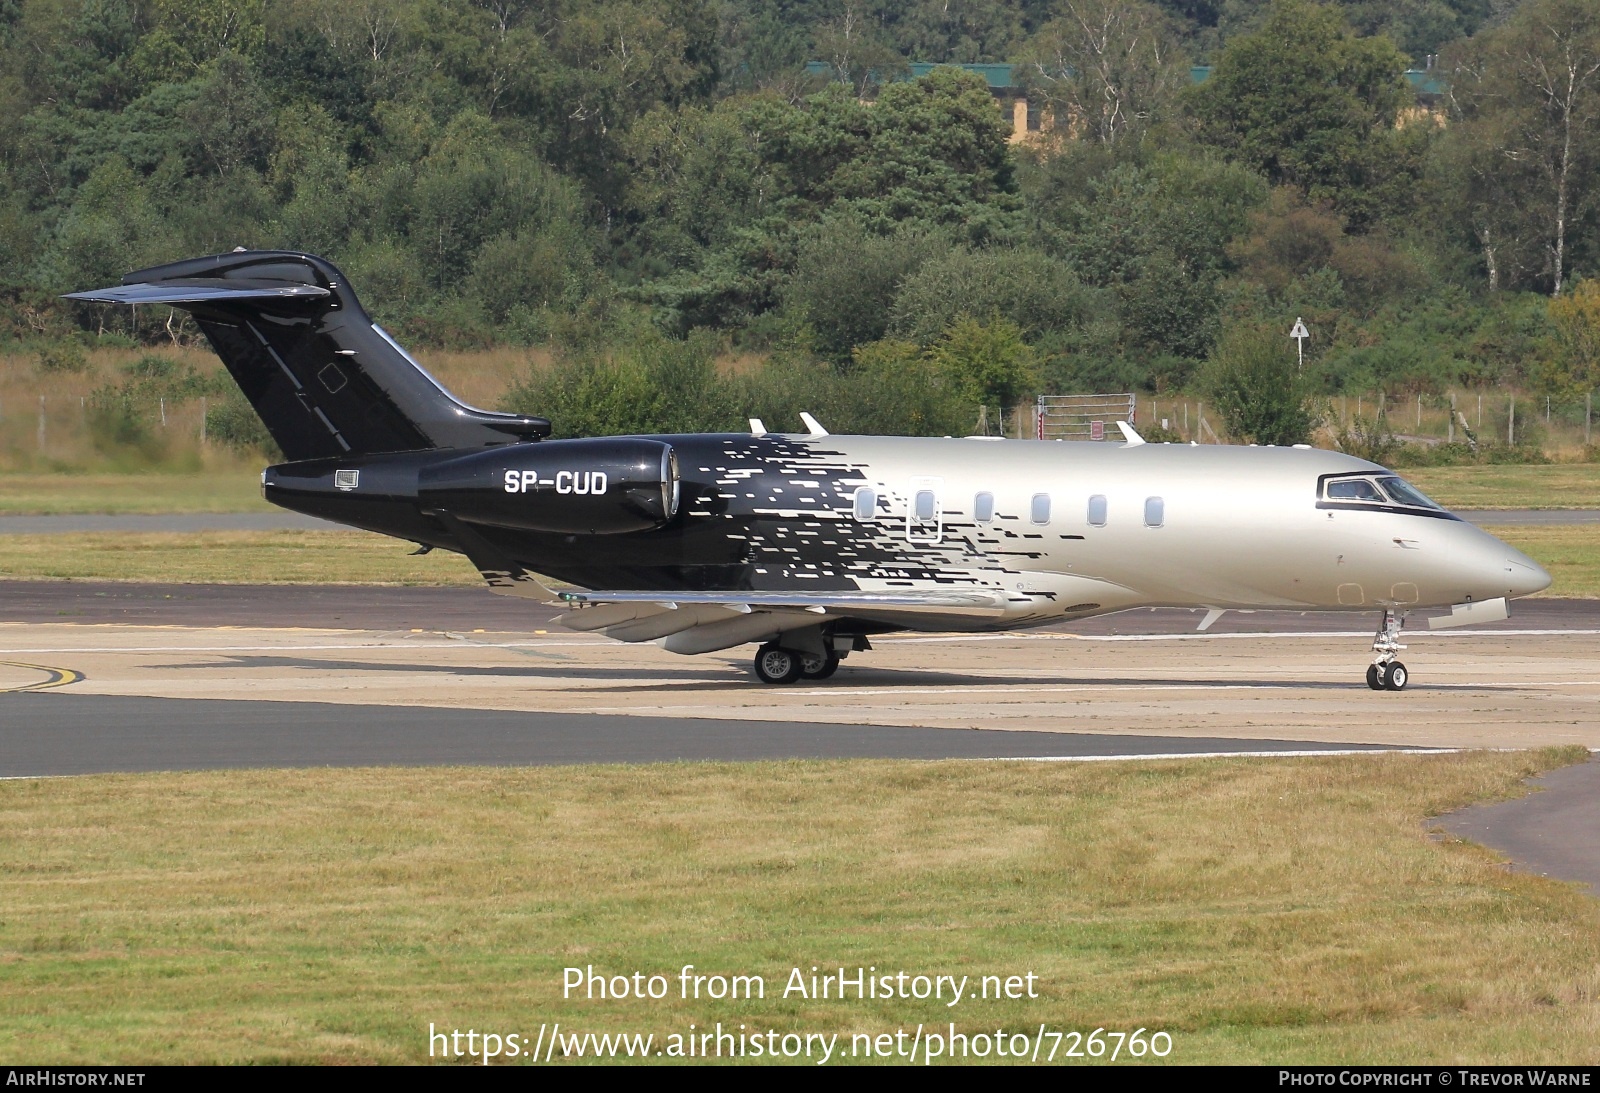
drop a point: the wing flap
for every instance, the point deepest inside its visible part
(966, 601)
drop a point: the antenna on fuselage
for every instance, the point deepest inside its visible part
(1129, 434)
(757, 428)
(817, 431)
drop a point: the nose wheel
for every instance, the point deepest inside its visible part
(1386, 673)
(1389, 677)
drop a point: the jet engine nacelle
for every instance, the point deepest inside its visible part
(598, 486)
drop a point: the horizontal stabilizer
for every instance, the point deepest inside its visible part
(200, 291)
(1476, 611)
(325, 379)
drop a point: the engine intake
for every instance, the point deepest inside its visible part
(596, 486)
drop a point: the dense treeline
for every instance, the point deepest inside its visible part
(644, 183)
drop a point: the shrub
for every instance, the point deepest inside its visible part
(65, 357)
(1261, 394)
(232, 422)
(1369, 439)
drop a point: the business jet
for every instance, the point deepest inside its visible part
(810, 544)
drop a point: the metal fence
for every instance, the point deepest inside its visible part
(1083, 417)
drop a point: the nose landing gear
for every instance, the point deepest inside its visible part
(1386, 673)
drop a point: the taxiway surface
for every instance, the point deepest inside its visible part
(425, 661)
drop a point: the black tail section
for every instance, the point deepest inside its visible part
(326, 380)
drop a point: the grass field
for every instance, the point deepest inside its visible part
(1256, 910)
(227, 489)
(232, 557)
(1546, 486)
(1570, 552)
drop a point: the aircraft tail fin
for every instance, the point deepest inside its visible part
(324, 378)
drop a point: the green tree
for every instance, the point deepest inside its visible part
(1040, 295)
(990, 362)
(1306, 103)
(1254, 382)
(1576, 316)
(1107, 69)
(1529, 93)
(1152, 229)
(846, 278)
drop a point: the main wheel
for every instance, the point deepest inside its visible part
(815, 667)
(1395, 676)
(1374, 677)
(777, 665)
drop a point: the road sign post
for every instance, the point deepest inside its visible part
(1300, 334)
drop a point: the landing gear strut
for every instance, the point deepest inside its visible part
(1386, 673)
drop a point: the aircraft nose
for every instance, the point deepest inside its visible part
(1524, 575)
(1489, 567)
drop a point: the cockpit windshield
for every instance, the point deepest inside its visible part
(1386, 490)
(1404, 493)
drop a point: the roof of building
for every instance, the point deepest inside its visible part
(1001, 77)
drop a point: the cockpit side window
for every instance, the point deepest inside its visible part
(1354, 489)
(1404, 493)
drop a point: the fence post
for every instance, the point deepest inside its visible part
(161, 404)
(1511, 423)
(1588, 412)
(1419, 412)
(1452, 439)
(41, 423)
(202, 420)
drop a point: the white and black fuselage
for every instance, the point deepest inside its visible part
(707, 541)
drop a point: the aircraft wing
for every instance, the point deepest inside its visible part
(700, 622)
(815, 602)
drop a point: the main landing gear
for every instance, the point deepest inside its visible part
(1386, 673)
(775, 664)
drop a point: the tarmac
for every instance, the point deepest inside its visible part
(103, 676)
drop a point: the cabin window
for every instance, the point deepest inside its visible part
(1040, 511)
(1154, 511)
(983, 508)
(1097, 510)
(866, 503)
(924, 506)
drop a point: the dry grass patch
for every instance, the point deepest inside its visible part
(231, 557)
(1259, 910)
(232, 487)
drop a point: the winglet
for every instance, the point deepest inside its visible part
(814, 425)
(757, 428)
(1129, 434)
